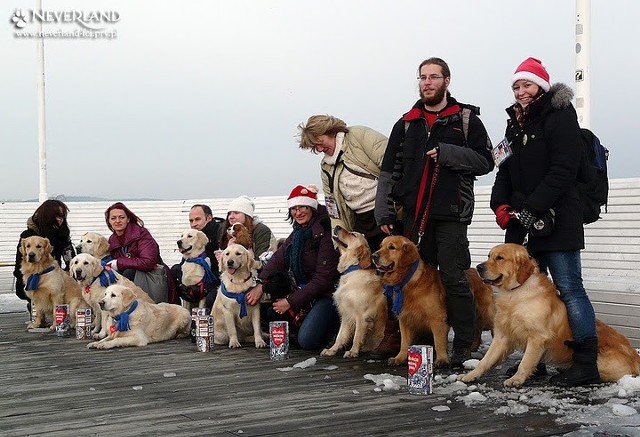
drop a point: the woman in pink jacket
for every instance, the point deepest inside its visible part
(136, 255)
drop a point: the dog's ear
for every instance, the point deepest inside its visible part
(201, 238)
(101, 246)
(128, 296)
(48, 248)
(23, 247)
(96, 266)
(220, 263)
(364, 257)
(525, 266)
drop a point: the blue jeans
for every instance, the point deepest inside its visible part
(319, 326)
(566, 271)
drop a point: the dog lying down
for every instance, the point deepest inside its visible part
(530, 316)
(138, 323)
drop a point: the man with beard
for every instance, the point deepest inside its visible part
(434, 153)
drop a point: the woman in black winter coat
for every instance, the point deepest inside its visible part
(49, 221)
(535, 197)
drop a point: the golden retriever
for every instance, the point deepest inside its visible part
(192, 245)
(138, 323)
(231, 324)
(423, 308)
(47, 285)
(94, 244)
(424, 305)
(531, 316)
(360, 297)
(94, 278)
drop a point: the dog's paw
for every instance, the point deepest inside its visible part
(52, 328)
(234, 344)
(350, 354)
(467, 377)
(514, 381)
(441, 364)
(260, 343)
(395, 361)
(328, 352)
(92, 345)
(31, 325)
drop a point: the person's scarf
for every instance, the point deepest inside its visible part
(523, 113)
(293, 254)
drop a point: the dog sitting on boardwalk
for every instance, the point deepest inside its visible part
(531, 316)
(419, 297)
(94, 277)
(46, 284)
(196, 279)
(138, 323)
(234, 320)
(359, 297)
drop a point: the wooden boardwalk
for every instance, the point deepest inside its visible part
(56, 386)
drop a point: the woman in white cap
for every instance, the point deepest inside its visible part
(242, 210)
(535, 196)
(309, 259)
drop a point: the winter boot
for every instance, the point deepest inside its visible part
(390, 344)
(458, 356)
(584, 369)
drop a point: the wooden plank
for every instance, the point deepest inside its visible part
(234, 392)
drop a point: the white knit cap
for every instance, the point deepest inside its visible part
(242, 204)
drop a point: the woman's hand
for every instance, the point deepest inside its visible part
(281, 306)
(253, 297)
(387, 229)
(218, 254)
(231, 241)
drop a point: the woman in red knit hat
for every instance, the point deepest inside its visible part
(309, 259)
(535, 199)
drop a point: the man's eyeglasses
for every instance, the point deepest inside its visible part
(430, 78)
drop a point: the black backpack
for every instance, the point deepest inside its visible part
(593, 181)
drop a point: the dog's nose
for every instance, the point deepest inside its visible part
(179, 243)
(31, 256)
(101, 303)
(78, 249)
(480, 268)
(78, 272)
(375, 257)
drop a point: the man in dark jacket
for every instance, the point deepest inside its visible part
(434, 153)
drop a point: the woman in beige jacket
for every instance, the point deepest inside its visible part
(350, 170)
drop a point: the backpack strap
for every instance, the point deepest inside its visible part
(465, 115)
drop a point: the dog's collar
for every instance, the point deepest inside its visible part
(244, 280)
(238, 297)
(201, 260)
(351, 268)
(107, 277)
(121, 321)
(390, 289)
(33, 281)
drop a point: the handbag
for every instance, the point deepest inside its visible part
(154, 283)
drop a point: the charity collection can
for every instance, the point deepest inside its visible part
(204, 333)
(279, 340)
(195, 313)
(420, 364)
(63, 320)
(83, 323)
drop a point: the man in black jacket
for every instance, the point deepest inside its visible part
(434, 154)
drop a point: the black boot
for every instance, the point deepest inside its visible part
(584, 370)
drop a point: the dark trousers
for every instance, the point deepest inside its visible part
(445, 246)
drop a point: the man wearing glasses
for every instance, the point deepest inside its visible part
(434, 154)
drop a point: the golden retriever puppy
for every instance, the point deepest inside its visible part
(93, 279)
(241, 235)
(530, 316)
(46, 284)
(234, 319)
(138, 323)
(94, 244)
(360, 297)
(196, 263)
(423, 307)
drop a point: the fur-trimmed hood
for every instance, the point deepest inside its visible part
(561, 95)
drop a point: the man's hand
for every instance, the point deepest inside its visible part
(281, 306)
(253, 297)
(387, 229)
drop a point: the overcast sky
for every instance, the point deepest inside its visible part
(200, 99)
